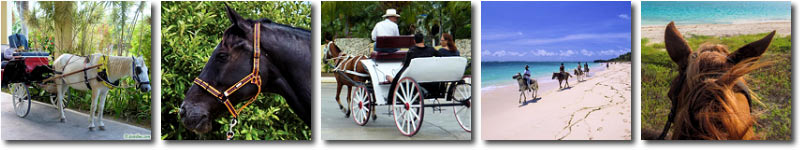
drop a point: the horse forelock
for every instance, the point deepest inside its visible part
(706, 96)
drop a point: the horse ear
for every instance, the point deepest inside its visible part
(677, 47)
(237, 19)
(754, 49)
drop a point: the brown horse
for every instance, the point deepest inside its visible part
(710, 98)
(344, 67)
(562, 76)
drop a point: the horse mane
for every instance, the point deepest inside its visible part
(118, 67)
(706, 105)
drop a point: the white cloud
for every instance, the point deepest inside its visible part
(624, 16)
(501, 36)
(542, 52)
(612, 52)
(601, 36)
(566, 53)
(586, 52)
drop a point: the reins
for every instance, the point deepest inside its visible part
(252, 78)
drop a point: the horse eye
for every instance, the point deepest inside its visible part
(222, 57)
(138, 70)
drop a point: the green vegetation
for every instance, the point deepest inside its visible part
(623, 57)
(357, 18)
(89, 27)
(190, 31)
(772, 84)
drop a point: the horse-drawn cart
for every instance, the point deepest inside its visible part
(31, 70)
(419, 85)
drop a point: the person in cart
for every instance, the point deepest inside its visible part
(419, 50)
(387, 27)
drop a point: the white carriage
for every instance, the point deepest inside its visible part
(434, 82)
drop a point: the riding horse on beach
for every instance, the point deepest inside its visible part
(579, 73)
(253, 57)
(562, 76)
(710, 97)
(531, 85)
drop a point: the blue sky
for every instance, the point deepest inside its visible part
(554, 31)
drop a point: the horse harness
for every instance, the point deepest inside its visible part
(102, 72)
(252, 78)
(741, 87)
(341, 62)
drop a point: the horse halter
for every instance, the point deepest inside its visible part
(253, 78)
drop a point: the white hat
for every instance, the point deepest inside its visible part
(391, 12)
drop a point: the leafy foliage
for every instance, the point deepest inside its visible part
(190, 31)
(357, 18)
(772, 84)
(81, 29)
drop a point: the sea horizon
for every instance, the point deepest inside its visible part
(659, 13)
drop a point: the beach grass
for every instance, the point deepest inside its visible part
(772, 84)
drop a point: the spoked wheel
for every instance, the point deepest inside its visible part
(462, 94)
(21, 99)
(361, 105)
(407, 106)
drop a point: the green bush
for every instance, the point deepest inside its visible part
(190, 31)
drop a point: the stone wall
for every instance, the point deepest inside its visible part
(362, 46)
(354, 46)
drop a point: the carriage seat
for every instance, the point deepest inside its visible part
(403, 41)
(381, 56)
(436, 69)
(29, 54)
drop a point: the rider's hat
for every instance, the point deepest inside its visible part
(391, 12)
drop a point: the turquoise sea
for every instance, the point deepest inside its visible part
(713, 12)
(499, 73)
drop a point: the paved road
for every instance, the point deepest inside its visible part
(42, 123)
(436, 125)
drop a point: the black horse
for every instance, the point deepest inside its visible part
(285, 69)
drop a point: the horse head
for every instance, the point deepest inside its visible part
(233, 60)
(140, 74)
(710, 98)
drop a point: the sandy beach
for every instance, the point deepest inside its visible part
(656, 33)
(598, 108)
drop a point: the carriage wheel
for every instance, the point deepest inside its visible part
(361, 105)
(407, 106)
(462, 93)
(21, 99)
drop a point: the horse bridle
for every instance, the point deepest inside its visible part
(136, 71)
(670, 118)
(252, 78)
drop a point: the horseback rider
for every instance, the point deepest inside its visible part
(586, 66)
(527, 75)
(579, 66)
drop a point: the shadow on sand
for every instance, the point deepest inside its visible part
(564, 89)
(525, 103)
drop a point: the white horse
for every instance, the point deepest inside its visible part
(116, 68)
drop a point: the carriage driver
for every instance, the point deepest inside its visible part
(387, 27)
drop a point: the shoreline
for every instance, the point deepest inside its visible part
(655, 33)
(546, 83)
(598, 108)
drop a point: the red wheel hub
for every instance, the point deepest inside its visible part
(408, 106)
(360, 105)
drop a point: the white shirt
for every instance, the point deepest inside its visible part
(385, 28)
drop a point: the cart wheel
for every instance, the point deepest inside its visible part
(22, 99)
(407, 106)
(361, 105)
(462, 94)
